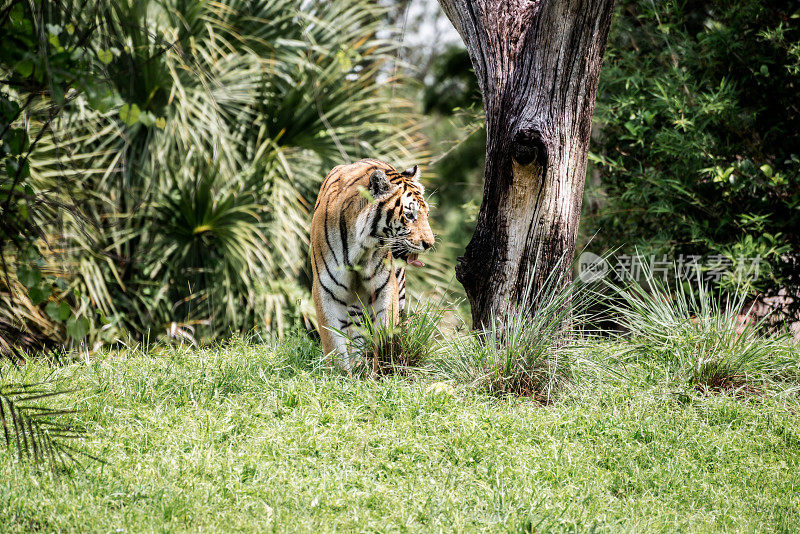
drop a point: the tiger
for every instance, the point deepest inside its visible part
(370, 222)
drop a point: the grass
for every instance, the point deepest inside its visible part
(251, 437)
(403, 349)
(525, 354)
(700, 340)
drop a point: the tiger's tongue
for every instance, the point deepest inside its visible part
(413, 260)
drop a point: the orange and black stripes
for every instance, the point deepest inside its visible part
(354, 243)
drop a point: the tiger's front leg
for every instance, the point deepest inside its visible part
(334, 324)
(353, 328)
(400, 276)
(384, 297)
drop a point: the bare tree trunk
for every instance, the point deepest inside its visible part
(537, 62)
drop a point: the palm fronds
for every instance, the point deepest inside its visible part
(194, 154)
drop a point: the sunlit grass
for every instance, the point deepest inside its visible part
(255, 437)
(513, 428)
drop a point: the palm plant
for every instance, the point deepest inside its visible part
(197, 155)
(37, 432)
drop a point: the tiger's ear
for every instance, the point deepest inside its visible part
(379, 184)
(413, 173)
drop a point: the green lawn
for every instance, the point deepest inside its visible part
(232, 439)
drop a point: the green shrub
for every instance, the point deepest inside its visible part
(696, 143)
(701, 340)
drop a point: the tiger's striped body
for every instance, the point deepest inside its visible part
(367, 218)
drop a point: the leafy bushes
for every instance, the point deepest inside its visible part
(696, 142)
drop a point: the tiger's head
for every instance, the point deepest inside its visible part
(402, 219)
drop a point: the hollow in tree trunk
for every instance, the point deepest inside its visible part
(537, 62)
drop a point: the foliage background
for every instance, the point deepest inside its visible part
(696, 148)
(160, 158)
(188, 145)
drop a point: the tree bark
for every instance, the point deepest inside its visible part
(538, 63)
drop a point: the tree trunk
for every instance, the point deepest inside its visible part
(537, 62)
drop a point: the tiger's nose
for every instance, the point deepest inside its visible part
(427, 244)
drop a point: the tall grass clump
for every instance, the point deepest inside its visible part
(704, 340)
(529, 353)
(401, 349)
